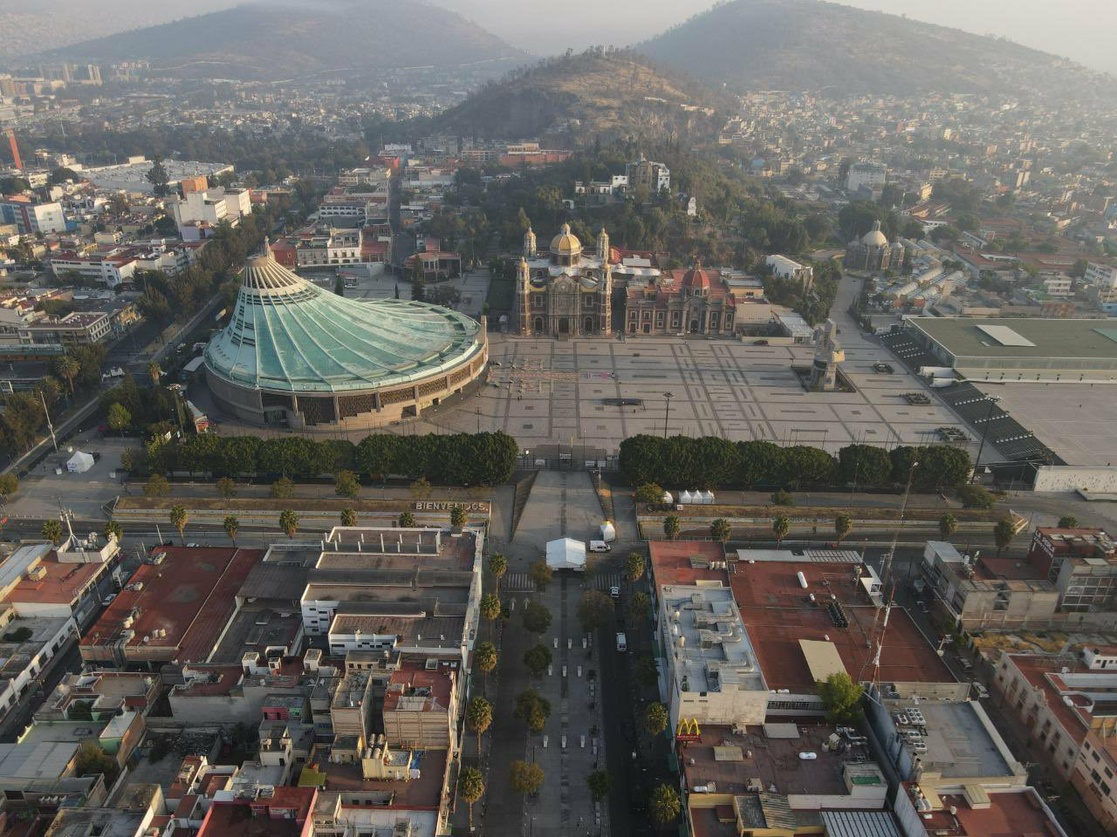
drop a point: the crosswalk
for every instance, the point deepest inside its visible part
(522, 583)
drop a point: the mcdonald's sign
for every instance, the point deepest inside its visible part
(687, 730)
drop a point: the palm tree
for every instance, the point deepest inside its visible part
(1003, 533)
(485, 658)
(498, 566)
(634, 566)
(155, 372)
(52, 530)
(655, 718)
(471, 786)
(843, 525)
(781, 527)
(671, 527)
(289, 523)
(490, 608)
(348, 517)
(406, 520)
(232, 526)
(479, 717)
(179, 519)
(720, 530)
(68, 368)
(664, 804)
(948, 525)
(1068, 521)
(114, 529)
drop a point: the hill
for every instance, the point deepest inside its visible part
(596, 94)
(276, 42)
(812, 45)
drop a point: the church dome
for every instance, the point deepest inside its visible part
(874, 238)
(566, 243)
(696, 278)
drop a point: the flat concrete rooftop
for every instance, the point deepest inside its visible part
(963, 337)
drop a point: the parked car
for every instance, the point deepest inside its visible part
(108, 600)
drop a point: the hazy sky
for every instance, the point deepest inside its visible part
(1083, 30)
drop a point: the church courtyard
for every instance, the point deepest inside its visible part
(588, 394)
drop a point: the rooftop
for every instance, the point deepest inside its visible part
(687, 562)
(416, 689)
(289, 335)
(960, 739)
(777, 615)
(1040, 338)
(107, 822)
(59, 583)
(180, 610)
(422, 792)
(274, 812)
(1008, 812)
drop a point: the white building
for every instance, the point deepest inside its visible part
(211, 207)
(107, 268)
(1100, 275)
(869, 175)
(784, 268)
(712, 672)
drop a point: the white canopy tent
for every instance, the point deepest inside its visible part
(566, 554)
(79, 463)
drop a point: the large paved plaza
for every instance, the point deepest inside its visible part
(546, 391)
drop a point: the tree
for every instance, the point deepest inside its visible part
(91, 760)
(289, 523)
(843, 525)
(458, 517)
(226, 488)
(634, 566)
(1068, 521)
(948, 525)
(346, 485)
(406, 520)
(119, 419)
(649, 492)
(638, 606)
(67, 368)
(644, 671)
(420, 488)
(9, 485)
(664, 804)
(671, 527)
(490, 607)
(113, 530)
(158, 178)
(600, 783)
(179, 518)
(781, 527)
(339, 286)
(975, 497)
(52, 530)
(485, 658)
(864, 465)
(478, 718)
(471, 787)
(282, 489)
(841, 696)
(498, 566)
(232, 526)
(541, 574)
(655, 719)
(720, 530)
(155, 372)
(595, 610)
(537, 619)
(348, 517)
(526, 776)
(532, 708)
(537, 658)
(1003, 533)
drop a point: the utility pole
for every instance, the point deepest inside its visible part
(985, 432)
(50, 426)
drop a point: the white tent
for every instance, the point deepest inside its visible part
(608, 531)
(566, 554)
(79, 463)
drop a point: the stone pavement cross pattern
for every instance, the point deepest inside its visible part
(565, 391)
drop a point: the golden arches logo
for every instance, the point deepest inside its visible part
(687, 730)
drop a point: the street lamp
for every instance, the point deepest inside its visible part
(993, 399)
(667, 396)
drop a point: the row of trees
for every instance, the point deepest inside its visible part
(459, 459)
(710, 462)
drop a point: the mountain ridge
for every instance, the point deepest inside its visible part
(253, 41)
(815, 45)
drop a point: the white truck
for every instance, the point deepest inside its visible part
(622, 642)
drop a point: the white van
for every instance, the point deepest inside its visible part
(622, 642)
(600, 546)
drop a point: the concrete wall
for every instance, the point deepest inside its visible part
(1068, 478)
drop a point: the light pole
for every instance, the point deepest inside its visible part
(886, 564)
(667, 396)
(985, 432)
